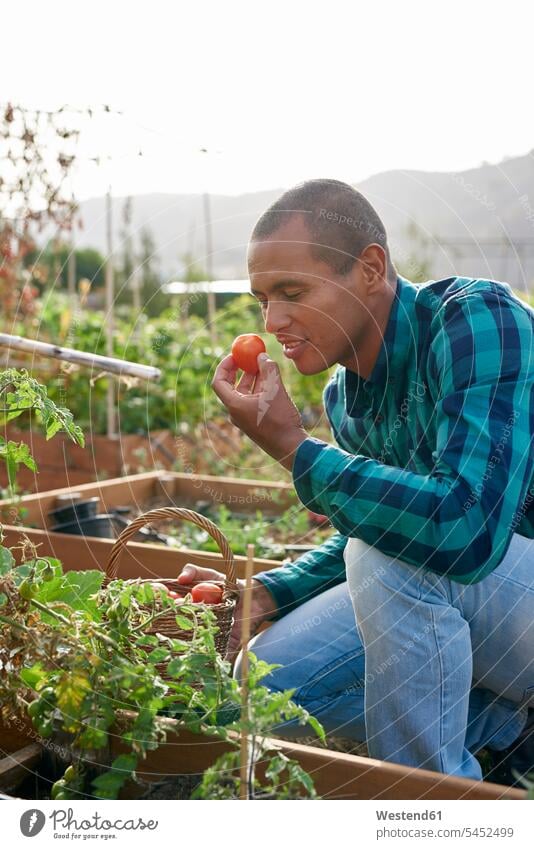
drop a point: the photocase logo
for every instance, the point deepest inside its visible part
(32, 822)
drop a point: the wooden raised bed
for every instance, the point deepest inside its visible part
(63, 463)
(139, 560)
(270, 497)
(336, 775)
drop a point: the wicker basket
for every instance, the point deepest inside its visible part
(166, 624)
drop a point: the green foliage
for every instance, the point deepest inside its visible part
(52, 265)
(20, 393)
(179, 345)
(284, 779)
(80, 664)
(269, 534)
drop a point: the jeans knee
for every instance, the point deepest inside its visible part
(376, 579)
(366, 568)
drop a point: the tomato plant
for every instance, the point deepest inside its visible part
(245, 351)
(21, 393)
(69, 635)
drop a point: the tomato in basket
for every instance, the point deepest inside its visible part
(207, 593)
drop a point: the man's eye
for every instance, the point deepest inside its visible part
(293, 296)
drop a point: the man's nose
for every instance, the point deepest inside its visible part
(276, 317)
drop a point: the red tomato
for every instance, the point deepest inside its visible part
(207, 593)
(176, 597)
(245, 350)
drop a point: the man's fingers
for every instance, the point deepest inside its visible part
(223, 383)
(245, 384)
(190, 574)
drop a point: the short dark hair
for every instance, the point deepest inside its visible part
(340, 220)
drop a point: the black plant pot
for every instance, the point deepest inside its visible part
(77, 510)
(104, 526)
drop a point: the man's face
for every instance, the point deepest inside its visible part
(318, 316)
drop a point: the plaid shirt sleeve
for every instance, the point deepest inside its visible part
(458, 519)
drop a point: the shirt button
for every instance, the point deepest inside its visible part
(379, 419)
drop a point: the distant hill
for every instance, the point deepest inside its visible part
(476, 223)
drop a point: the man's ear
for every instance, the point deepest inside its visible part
(374, 267)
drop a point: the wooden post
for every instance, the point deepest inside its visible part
(111, 412)
(209, 268)
(71, 272)
(245, 636)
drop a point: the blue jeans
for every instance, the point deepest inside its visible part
(426, 671)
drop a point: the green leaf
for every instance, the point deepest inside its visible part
(52, 428)
(184, 623)
(76, 589)
(158, 655)
(33, 676)
(147, 640)
(317, 727)
(125, 763)
(7, 561)
(175, 666)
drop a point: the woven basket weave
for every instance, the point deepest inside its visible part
(166, 624)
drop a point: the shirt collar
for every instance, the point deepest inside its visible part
(397, 346)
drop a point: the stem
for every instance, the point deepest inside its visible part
(251, 755)
(50, 610)
(14, 624)
(99, 635)
(143, 625)
(112, 644)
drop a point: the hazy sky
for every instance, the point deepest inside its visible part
(276, 91)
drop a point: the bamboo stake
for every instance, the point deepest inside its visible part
(245, 637)
(70, 355)
(209, 268)
(110, 399)
(71, 271)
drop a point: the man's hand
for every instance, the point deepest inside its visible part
(261, 408)
(263, 605)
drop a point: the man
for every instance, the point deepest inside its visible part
(413, 626)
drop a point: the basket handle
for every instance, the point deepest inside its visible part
(175, 513)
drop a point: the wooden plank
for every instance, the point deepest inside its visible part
(46, 479)
(16, 766)
(336, 775)
(340, 776)
(271, 497)
(62, 462)
(14, 734)
(139, 560)
(131, 489)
